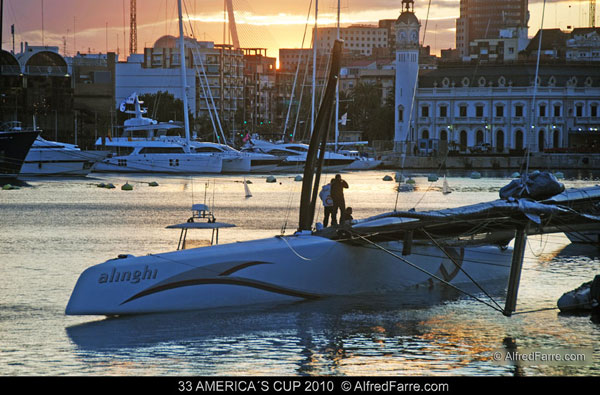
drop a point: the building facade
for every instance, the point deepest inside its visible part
(484, 19)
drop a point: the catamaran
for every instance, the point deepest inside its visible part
(385, 253)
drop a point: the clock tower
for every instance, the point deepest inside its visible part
(407, 69)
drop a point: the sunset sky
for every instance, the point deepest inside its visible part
(99, 26)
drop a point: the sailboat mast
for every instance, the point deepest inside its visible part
(183, 74)
(337, 89)
(314, 74)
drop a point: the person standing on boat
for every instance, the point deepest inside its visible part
(325, 196)
(337, 194)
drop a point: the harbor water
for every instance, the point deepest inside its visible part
(53, 229)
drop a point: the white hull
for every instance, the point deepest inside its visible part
(58, 162)
(161, 163)
(235, 165)
(274, 270)
(364, 164)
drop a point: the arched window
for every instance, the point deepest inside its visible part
(425, 134)
(443, 135)
(556, 139)
(519, 140)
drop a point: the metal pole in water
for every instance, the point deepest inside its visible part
(515, 271)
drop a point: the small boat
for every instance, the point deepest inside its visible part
(14, 147)
(584, 298)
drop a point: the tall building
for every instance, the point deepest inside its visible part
(407, 69)
(484, 19)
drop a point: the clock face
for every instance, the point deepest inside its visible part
(402, 36)
(413, 35)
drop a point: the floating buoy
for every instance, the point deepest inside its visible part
(109, 186)
(298, 178)
(271, 179)
(516, 174)
(475, 175)
(248, 182)
(387, 178)
(8, 187)
(559, 175)
(153, 184)
(247, 189)
(101, 185)
(432, 177)
(410, 181)
(127, 187)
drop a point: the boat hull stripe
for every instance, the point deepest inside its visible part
(224, 281)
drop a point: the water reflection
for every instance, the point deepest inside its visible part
(413, 333)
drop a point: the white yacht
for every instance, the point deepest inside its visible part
(50, 158)
(235, 161)
(361, 162)
(294, 155)
(145, 146)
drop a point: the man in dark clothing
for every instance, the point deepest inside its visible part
(337, 195)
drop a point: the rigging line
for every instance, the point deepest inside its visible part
(460, 268)
(535, 86)
(297, 71)
(428, 273)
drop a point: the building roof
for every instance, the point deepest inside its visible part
(408, 18)
(514, 74)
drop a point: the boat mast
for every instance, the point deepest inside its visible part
(318, 145)
(183, 76)
(337, 88)
(314, 71)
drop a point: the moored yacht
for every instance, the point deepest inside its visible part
(145, 146)
(294, 155)
(51, 158)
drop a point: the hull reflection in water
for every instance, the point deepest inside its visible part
(274, 270)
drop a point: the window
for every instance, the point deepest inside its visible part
(479, 111)
(542, 110)
(519, 110)
(557, 110)
(579, 110)
(443, 111)
(499, 111)
(594, 110)
(425, 111)
(462, 111)
(400, 113)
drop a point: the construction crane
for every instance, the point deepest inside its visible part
(593, 13)
(232, 26)
(132, 28)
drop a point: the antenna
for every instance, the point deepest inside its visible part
(132, 27)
